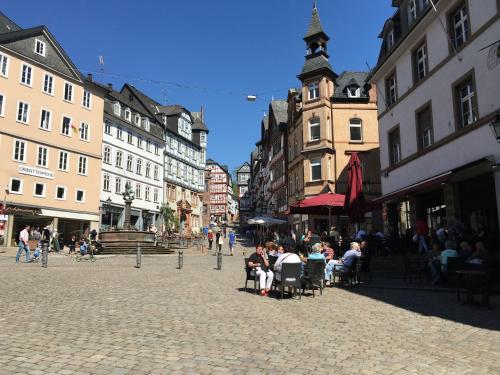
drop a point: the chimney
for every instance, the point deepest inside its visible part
(202, 114)
(110, 86)
(89, 77)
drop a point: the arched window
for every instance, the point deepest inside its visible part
(355, 130)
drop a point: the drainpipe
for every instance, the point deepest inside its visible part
(333, 145)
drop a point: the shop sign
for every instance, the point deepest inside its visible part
(37, 172)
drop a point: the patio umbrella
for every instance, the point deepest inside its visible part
(354, 198)
(322, 204)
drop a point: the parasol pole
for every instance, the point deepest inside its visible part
(329, 218)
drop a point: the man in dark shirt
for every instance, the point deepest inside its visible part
(260, 265)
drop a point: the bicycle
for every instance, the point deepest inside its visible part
(91, 254)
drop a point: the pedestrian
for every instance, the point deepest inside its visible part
(217, 236)
(23, 244)
(232, 241)
(220, 242)
(72, 244)
(210, 239)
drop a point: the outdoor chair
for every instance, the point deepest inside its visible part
(364, 268)
(415, 266)
(290, 277)
(251, 275)
(453, 265)
(350, 275)
(314, 276)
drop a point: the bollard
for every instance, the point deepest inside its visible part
(181, 259)
(45, 253)
(138, 256)
(219, 259)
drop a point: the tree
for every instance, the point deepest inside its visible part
(169, 219)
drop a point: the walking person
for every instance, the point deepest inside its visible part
(23, 244)
(232, 241)
(210, 239)
(220, 242)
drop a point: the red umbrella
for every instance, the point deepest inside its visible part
(355, 200)
(318, 204)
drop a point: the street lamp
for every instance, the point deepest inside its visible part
(495, 127)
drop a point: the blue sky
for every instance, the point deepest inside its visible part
(208, 52)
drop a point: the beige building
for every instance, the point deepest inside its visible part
(50, 135)
(329, 117)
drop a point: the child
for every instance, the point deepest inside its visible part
(83, 246)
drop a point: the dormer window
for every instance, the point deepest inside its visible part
(353, 92)
(137, 119)
(128, 115)
(412, 11)
(117, 109)
(40, 47)
(390, 40)
(313, 90)
(164, 119)
(145, 123)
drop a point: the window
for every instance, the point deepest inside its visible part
(353, 92)
(148, 170)
(314, 129)
(424, 128)
(82, 165)
(48, 84)
(61, 193)
(84, 132)
(412, 11)
(394, 147)
(147, 191)
(459, 22)
(130, 138)
(107, 127)
(63, 161)
(106, 155)
(145, 123)
(19, 153)
(45, 119)
(148, 145)
(40, 47)
(355, 130)
(137, 119)
(117, 110)
(68, 92)
(315, 169)
(118, 185)
(420, 62)
(128, 115)
(23, 112)
(390, 40)
(424, 4)
(119, 159)
(138, 167)
(138, 191)
(139, 142)
(157, 147)
(26, 73)
(466, 102)
(66, 124)
(130, 163)
(106, 182)
(80, 196)
(155, 195)
(4, 65)
(155, 172)
(87, 99)
(2, 101)
(39, 190)
(313, 90)
(16, 186)
(391, 89)
(119, 133)
(43, 156)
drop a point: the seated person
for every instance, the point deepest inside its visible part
(83, 246)
(287, 257)
(464, 250)
(449, 252)
(327, 251)
(315, 253)
(72, 244)
(260, 266)
(480, 254)
(343, 264)
(270, 248)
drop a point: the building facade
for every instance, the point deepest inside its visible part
(439, 74)
(50, 134)
(329, 117)
(243, 175)
(132, 152)
(218, 188)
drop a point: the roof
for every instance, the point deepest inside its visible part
(314, 64)
(265, 122)
(198, 123)
(280, 111)
(7, 25)
(315, 27)
(347, 79)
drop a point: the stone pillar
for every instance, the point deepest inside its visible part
(497, 193)
(55, 224)
(8, 231)
(126, 223)
(451, 194)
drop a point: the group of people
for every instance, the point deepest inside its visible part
(267, 262)
(219, 240)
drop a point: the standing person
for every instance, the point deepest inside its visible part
(36, 234)
(422, 229)
(23, 244)
(210, 239)
(260, 265)
(232, 241)
(217, 236)
(220, 242)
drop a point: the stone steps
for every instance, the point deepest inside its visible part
(132, 249)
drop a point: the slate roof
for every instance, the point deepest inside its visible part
(265, 122)
(315, 27)
(347, 79)
(7, 25)
(280, 110)
(198, 123)
(316, 63)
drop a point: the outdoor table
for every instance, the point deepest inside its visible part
(470, 280)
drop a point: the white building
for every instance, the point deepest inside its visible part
(132, 152)
(439, 74)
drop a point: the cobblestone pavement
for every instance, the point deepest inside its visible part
(111, 318)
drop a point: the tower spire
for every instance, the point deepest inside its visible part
(315, 6)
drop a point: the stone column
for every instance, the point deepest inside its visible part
(126, 223)
(8, 231)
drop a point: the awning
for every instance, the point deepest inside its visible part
(422, 185)
(69, 215)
